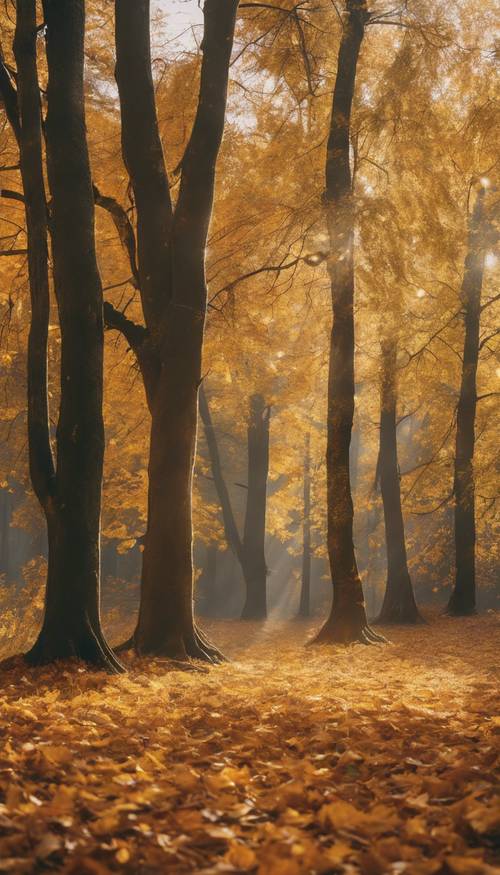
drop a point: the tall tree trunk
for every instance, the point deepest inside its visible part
(305, 589)
(71, 498)
(347, 621)
(463, 597)
(207, 582)
(174, 299)
(399, 604)
(5, 514)
(250, 550)
(254, 533)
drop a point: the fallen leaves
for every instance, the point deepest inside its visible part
(285, 762)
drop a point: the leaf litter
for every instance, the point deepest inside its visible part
(286, 760)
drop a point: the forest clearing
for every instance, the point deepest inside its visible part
(283, 761)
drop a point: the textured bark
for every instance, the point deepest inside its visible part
(305, 589)
(347, 621)
(399, 604)
(71, 498)
(171, 266)
(463, 597)
(254, 533)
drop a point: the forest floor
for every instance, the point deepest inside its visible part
(284, 761)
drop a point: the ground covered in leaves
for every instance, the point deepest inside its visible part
(284, 761)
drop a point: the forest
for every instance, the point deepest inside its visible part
(249, 468)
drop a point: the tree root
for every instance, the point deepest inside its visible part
(87, 645)
(343, 634)
(194, 646)
(125, 645)
(210, 653)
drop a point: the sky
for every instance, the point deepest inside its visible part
(181, 16)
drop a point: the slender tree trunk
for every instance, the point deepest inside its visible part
(254, 534)
(207, 582)
(347, 621)
(5, 513)
(71, 499)
(305, 589)
(399, 604)
(171, 251)
(463, 597)
(250, 550)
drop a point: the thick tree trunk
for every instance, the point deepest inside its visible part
(347, 621)
(399, 604)
(254, 534)
(305, 589)
(463, 597)
(171, 250)
(71, 626)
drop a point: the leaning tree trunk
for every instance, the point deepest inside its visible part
(305, 589)
(399, 604)
(347, 621)
(254, 560)
(174, 299)
(71, 498)
(463, 597)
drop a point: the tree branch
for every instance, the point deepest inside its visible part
(124, 228)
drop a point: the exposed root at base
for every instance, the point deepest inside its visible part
(338, 634)
(94, 652)
(180, 650)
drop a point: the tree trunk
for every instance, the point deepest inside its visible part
(171, 251)
(399, 604)
(5, 514)
(463, 598)
(207, 582)
(254, 534)
(71, 499)
(305, 589)
(250, 550)
(347, 621)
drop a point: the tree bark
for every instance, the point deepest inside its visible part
(254, 533)
(171, 262)
(305, 589)
(347, 621)
(71, 498)
(399, 604)
(463, 598)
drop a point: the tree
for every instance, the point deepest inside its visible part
(399, 604)
(70, 493)
(249, 549)
(463, 597)
(347, 621)
(171, 273)
(305, 589)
